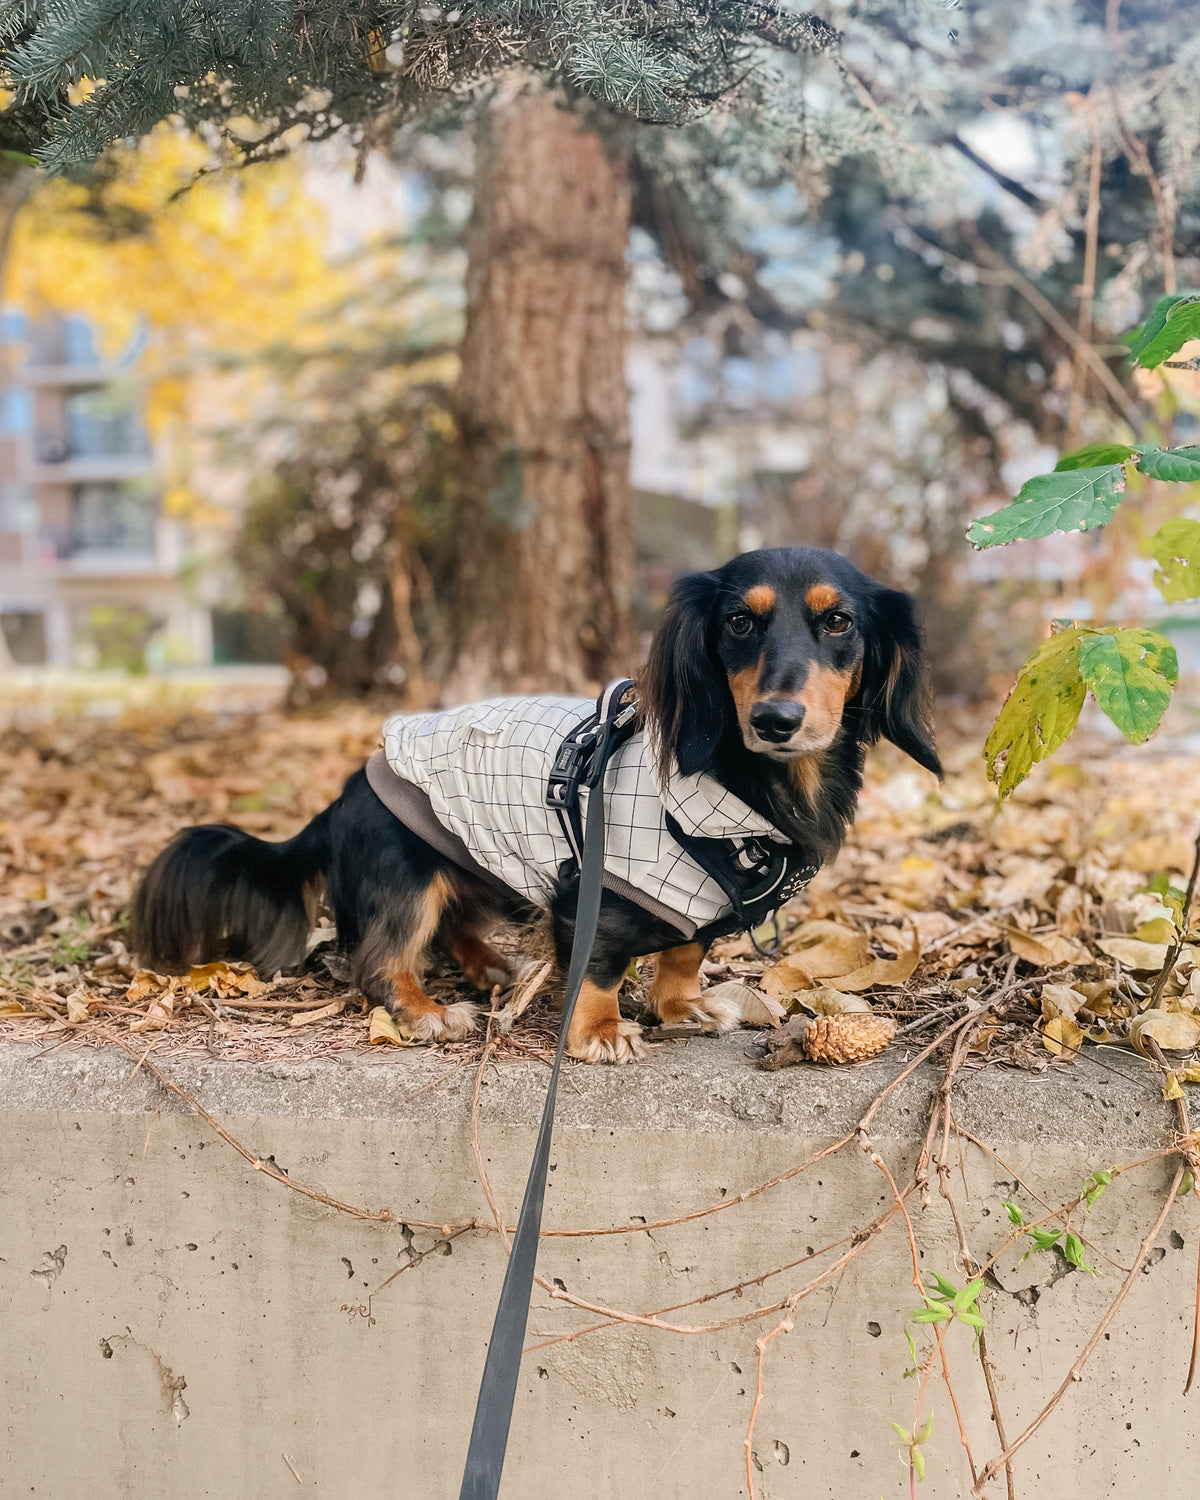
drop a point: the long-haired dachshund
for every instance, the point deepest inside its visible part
(766, 681)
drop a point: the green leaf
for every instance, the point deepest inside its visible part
(1043, 1239)
(1177, 553)
(973, 1320)
(1095, 453)
(1038, 714)
(902, 1433)
(1131, 672)
(963, 1302)
(1177, 465)
(1174, 321)
(1015, 1215)
(923, 1435)
(1077, 500)
(947, 1288)
(912, 1345)
(1073, 1250)
(918, 1463)
(935, 1314)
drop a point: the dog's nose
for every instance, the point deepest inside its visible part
(776, 721)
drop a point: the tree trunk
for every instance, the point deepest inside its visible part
(543, 551)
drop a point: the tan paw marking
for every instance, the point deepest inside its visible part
(607, 1040)
(444, 1023)
(715, 1015)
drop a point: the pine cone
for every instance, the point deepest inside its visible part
(829, 1039)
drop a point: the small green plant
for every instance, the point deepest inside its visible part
(1130, 672)
(951, 1302)
(911, 1443)
(72, 947)
(1064, 1238)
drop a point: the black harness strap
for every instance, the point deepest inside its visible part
(758, 875)
(493, 1410)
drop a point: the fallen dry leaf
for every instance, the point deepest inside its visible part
(1062, 1037)
(882, 971)
(1061, 1000)
(827, 1002)
(225, 980)
(1047, 950)
(1143, 957)
(325, 1013)
(754, 1008)
(383, 1028)
(1171, 1030)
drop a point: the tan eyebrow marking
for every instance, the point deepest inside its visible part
(821, 596)
(760, 599)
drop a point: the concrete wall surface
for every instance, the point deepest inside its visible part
(175, 1325)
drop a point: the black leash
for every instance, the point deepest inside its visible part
(497, 1389)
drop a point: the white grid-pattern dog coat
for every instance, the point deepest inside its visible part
(484, 769)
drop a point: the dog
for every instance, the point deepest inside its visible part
(765, 684)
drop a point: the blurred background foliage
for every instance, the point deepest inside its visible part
(878, 261)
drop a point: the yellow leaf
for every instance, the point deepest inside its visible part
(147, 982)
(11, 1008)
(1160, 930)
(1173, 1031)
(383, 1028)
(1062, 1037)
(1047, 950)
(817, 950)
(889, 971)
(1134, 954)
(1171, 1089)
(225, 980)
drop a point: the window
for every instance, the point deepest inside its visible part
(16, 411)
(112, 518)
(103, 424)
(14, 326)
(78, 344)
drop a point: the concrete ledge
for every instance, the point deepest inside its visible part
(175, 1323)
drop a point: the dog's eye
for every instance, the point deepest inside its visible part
(838, 623)
(740, 624)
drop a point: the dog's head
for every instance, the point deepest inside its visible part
(784, 647)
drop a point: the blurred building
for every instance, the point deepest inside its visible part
(90, 569)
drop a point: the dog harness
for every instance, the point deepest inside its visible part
(499, 787)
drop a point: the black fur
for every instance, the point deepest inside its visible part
(216, 892)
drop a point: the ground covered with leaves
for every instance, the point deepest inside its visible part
(1066, 901)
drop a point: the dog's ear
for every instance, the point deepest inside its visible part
(681, 693)
(895, 696)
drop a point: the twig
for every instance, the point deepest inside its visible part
(1087, 290)
(1176, 948)
(785, 1325)
(1192, 1156)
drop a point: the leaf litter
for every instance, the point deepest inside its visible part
(1074, 888)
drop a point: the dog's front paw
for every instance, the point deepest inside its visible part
(715, 1014)
(441, 1023)
(606, 1039)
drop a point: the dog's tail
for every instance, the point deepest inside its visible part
(218, 893)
